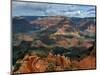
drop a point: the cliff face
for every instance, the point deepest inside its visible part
(53, 43)
(29, 23)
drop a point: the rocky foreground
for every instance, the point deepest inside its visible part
(33, 63)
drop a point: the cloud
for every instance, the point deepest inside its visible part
(45, 9)
(91, 9)
(30, 5)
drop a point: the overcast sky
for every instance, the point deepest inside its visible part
(45, 9)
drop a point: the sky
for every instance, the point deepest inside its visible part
(50, 9)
